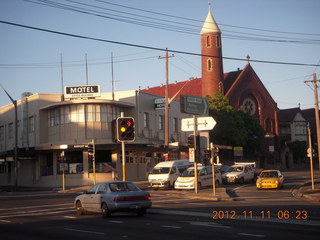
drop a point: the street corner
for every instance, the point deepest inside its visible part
(309, 191)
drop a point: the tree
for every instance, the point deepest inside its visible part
(234, 127)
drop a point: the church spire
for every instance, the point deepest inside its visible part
(210, 25)
(211, 60)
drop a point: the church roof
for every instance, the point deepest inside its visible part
(210, 25)
(191, 87)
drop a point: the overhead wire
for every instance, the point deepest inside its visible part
(165, 24)
(152, 48)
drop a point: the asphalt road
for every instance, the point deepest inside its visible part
(270, 214)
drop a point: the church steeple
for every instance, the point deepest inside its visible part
(212, 66)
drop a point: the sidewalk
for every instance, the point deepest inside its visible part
(306, 191)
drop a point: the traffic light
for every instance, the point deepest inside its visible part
(125, 129)
(207, 154)
(191, 141)
(90, 149)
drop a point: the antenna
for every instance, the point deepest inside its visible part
(61, 66)
(112, 76)
(87, 71)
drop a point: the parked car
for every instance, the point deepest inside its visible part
(270, 179)
(115, 196)
(239, 174)
(186, 180)
(164, 174)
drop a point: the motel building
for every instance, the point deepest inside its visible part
(53, 132)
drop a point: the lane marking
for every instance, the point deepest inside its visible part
(252, 235)
(5, 221)
(84, 231)
(169, 226)
(209, 224)
(114, 221)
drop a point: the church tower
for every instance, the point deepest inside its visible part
(212, 66)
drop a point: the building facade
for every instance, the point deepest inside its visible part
(53, 133)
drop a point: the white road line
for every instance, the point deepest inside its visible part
(5, 221)
(78, 230)
(113, 221)
(34, 213)
(39, 206)
(209, 224)
(72, 217)
(169, 226)
(252, 235)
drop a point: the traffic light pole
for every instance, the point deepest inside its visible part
(94, 162)
(124, 170)
(195, 129)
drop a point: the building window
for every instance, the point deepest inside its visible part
(1, 133)
(31, 126)
(209, 65)
(208, 41)
(10, 133)
(218, 41)
(64, 114)
(175, 124)
(93, 113)
(146, 120)
(161, 122)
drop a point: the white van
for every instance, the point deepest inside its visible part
(164, 174)
(186, 180)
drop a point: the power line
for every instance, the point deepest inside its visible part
(168, 25)
(152, 48)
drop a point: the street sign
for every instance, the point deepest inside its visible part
(203, 123)
(159, 103)
(194, 105)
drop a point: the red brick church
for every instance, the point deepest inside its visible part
(241, 87)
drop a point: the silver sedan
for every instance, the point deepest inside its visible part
(116, 196)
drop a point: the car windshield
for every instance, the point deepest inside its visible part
(189, 173)
(123, 187)
(237, 169)
(269, 174)
(160, 170)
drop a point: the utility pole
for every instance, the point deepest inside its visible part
(166, 114)
(316, 109)
(15, 181)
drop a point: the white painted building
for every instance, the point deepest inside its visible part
(47, 121)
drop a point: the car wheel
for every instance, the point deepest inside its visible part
(141, 212)
(241, 181)
(79, 208)
(105, 210)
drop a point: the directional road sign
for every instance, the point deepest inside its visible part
(203, 123)
(194, 105)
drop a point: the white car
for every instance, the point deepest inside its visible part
(109, 197)
(239, 174)
(205, 178)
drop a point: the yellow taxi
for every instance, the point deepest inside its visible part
(270, 179)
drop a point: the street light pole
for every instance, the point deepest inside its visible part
(15, 139)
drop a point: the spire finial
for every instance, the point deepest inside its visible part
(248, 58)
(209, 5)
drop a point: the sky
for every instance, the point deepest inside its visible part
(284, 34)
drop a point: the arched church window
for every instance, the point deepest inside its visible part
(209, 65)
(218, 41)
(208, 41)
(269, 125)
